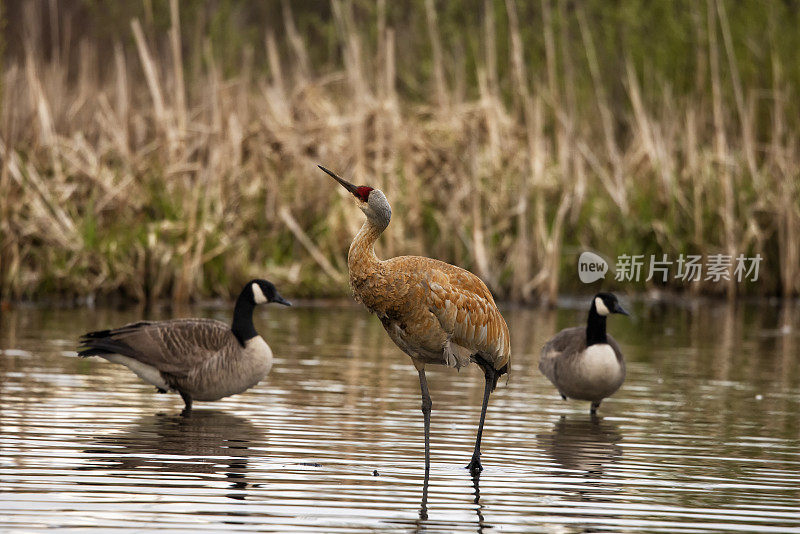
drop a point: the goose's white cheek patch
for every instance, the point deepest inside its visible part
(258, 295)
(600, 306)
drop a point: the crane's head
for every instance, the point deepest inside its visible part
(606, 304)
(371, 201)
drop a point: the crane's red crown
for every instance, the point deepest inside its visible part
(362, 192)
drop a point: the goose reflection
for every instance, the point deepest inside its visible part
(209, 442)
(587, 445)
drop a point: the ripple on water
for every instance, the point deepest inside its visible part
(332, 440)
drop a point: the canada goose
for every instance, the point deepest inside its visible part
(201, 359)
(586, 363)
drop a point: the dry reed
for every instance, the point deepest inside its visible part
(137, 181)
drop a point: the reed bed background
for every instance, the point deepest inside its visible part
(152, 158)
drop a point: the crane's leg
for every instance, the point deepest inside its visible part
(187, 400)
(475, 464)
(426, 414)
(423, 507)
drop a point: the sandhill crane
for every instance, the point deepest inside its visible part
(201, 359)
(586, 363)
(435, 312)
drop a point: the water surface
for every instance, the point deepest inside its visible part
(703, 436)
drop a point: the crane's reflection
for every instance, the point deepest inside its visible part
(476, 485)
(422, 524)
(209, 442)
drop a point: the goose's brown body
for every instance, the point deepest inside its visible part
(567, 362)
(586, 363)
(200, 357)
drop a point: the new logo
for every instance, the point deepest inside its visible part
(591, 267)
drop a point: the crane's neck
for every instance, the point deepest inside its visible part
(361, 260)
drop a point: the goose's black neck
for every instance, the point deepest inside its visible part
(242, 326)
(595, 328)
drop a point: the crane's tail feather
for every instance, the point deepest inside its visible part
(489, 370)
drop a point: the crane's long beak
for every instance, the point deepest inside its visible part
(347, 185)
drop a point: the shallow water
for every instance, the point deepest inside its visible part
(703, 436)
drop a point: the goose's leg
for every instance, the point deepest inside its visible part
(595, 406)
(426, 414)
(475, 464)
(187, 399)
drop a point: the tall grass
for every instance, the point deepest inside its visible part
(157, 174)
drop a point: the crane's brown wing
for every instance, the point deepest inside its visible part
(466, 311)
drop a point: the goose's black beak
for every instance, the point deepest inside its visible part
(620, 309)
(347, 185)
(280, 300)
